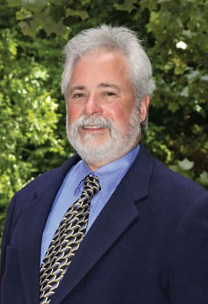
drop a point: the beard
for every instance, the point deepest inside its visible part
(117, 145)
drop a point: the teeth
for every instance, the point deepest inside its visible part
(92, 127)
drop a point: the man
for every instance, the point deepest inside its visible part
(139, 232)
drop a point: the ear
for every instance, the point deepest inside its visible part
(143, 110)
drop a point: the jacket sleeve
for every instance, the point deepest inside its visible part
(189, 257)
(6, 236)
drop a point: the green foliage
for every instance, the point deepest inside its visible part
(28, 118)
(179, 48)
(30, 139)
(32, 35)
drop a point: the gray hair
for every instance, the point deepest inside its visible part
(112, 38)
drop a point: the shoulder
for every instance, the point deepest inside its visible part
(46, 180)
(171, 183)
(167, 192)
(177, 198)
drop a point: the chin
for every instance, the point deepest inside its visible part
(93, 144)
(97, 152)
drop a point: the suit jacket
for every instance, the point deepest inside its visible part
(149, 245)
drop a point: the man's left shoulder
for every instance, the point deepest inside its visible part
(176, 193)
(173, 181)
(175, 199)
(163, 180)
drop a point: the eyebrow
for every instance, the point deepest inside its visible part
(108, 85)
(101, 85)
(76, 88)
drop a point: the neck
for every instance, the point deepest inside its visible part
(95, 167)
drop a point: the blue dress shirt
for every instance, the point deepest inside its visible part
(109, 177)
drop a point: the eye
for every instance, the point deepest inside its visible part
(110, 94)
(77, 95)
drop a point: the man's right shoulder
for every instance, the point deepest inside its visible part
(47, 179)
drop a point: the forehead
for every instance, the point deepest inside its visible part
(103, 64)
(104, 54)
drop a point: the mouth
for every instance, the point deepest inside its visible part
(93, 128)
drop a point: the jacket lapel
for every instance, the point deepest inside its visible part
(118, 214)
(31, 226)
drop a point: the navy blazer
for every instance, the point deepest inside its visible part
(149, 245)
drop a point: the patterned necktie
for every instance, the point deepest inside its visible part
(66, 240)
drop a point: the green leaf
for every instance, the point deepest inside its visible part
(204, 77)
(185, 92)
(23, 14)
(203, 178)
(187, 33)
(14, 3)
(27, 3)
(149, 4)
(154, 17)
(77, 13)
(186, 164)
(126, 7)
(34, 2)
(173, 106)
(49, 24)
(193, 74)
(83, 14)
(29, 28)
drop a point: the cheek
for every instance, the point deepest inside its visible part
(74, 112)
(121, 117)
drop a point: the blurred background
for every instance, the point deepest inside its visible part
(32, 109)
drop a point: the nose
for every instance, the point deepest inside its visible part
(92, 105)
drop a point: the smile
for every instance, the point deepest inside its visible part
(95, 127)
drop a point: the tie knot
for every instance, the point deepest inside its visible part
(91, 185)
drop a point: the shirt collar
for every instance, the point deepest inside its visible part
(115, 170)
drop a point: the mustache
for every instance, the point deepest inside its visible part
(97, 121)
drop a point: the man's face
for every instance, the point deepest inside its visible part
(100, 105)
